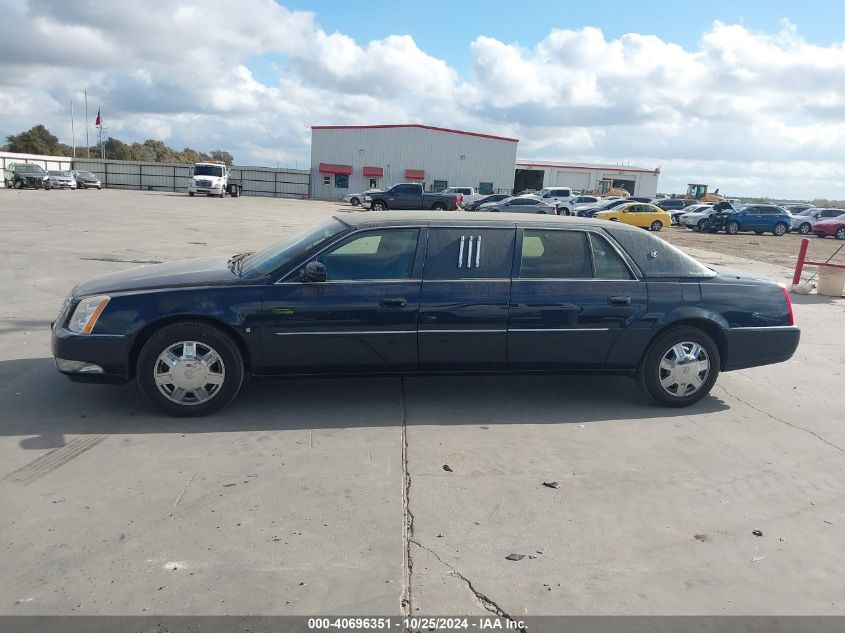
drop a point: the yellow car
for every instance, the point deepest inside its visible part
(639, 214)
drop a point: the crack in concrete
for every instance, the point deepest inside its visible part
(790, 424)
(407, 515)
(485, 601)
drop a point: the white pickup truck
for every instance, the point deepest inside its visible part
(469, 194)
(213, 179)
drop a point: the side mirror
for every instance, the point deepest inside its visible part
(314, 271)
(548, 195)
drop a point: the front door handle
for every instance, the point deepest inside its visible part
(393, 303)
(619, 301)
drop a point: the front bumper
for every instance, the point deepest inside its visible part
(109, 352)
(755, 346)
(214, 190)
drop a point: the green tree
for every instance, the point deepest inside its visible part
(117, 150)
(222, 154)
(162, 153)
(36, 140)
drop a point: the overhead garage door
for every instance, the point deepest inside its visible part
(578, 180)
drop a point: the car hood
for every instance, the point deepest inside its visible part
(207, 271)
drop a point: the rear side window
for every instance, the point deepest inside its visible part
(549, 254)
(655, 257)
(607, 262)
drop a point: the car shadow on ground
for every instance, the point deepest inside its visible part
(40, 403)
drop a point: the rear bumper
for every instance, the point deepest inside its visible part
(110, 352)
(755, 346)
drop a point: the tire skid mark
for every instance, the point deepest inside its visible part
(47, 463)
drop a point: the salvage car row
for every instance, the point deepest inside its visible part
(29, 175)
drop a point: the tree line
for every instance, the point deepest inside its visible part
(39, 140)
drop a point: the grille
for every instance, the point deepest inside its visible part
(203, 183)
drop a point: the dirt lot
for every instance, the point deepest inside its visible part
(782, 251)
(330, 496)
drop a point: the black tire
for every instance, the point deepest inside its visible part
(805, 228)
(47, 185)
(656, 226)
(821, 236)
(191, 193)
(564, 211)
(614, 219)
(99, 187)
(840, 234)
(732, 228)
(204, 334)
(378, 205)
(649, 370)
(18, 184)
(780, 229)
(438, 206)
(701, 226)
(354, 202)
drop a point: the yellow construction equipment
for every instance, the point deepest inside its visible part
(607, 188)
(699, 192)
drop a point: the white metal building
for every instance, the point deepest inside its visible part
(639, 181)
(353, 158)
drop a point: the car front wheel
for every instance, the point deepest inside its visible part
(732, 228)
(656, 225)
(438, 206)
(378, 205)
(190, 369)
(840, 234)
(680, 367)
(804, 229)
(354, 202)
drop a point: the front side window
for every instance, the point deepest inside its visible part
(287, 251)
(522, 202)
(550, 254)
(381, 254)
(440, 185)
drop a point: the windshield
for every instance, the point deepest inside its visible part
(285, 251)
(208, 170)
(30, 169)
(85, 174)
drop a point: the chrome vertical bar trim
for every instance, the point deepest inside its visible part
(478, 252)
(469, 252)
(461, 253)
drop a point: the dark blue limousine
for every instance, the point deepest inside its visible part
(414, 293)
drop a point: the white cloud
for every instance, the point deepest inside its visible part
(751, 113)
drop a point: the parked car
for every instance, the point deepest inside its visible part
(355, 198)
(834, 227)
(672, 204)
(86, 180)
(696, 216)
(367, 294)
(645, 216)
(60, 179)
(521, 204)
(553, 195)
(804, 221)
(693, 208)
(795, 209)
(20, 175)
(566, 208)
(466, 195)
(409, 196)
(759, 218)
(496, 197)
(589, 210)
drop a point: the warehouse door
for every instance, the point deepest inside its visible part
(578, 180)
(530, 179)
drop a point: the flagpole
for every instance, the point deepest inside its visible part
(72, 128)
(87, 142)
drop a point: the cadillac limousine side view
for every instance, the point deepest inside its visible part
(425, 292)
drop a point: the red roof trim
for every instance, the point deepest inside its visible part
(329, 168)
(415, 174)
(413, 125)
(374, 171)
(597, 167)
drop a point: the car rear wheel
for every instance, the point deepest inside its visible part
(438, 206)
(840, 234)
(191, 193)
(701, 226)
(190, 369)
(680, 367)
(656, 225)
(378, 205)
(780, 229)
(805, 228)
(732, 228)
(354, 202)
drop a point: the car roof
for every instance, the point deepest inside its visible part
(460, 218)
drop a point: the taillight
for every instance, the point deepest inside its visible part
(788, 305)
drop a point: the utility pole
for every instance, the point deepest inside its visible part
(87, 142)
(72, 128)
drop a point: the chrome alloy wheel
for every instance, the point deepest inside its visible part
(189, 373)
(683, 369)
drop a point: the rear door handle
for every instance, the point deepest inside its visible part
(619, 301)
(393, 303)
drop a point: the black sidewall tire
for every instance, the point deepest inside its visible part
(193, 331)
(840, 234)
(191, 194)
(647, 372)
(438, 207)
(732, 228)
(355, 202)
(656, 226)
(18, 184)
(378, 206)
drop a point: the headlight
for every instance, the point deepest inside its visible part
(86, 314)
(368, 198)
